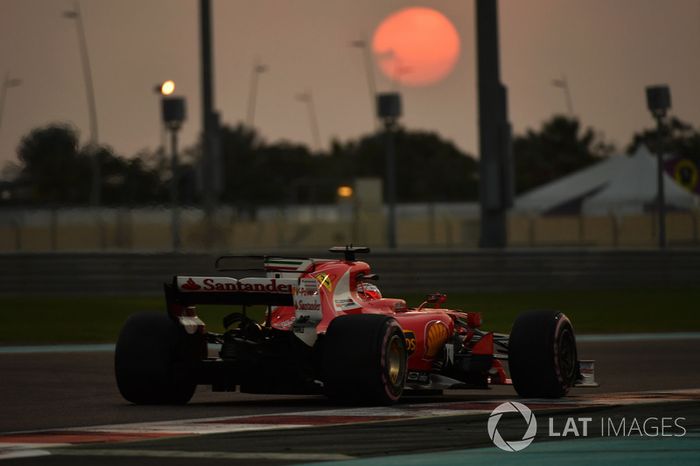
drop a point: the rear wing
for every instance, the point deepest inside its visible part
(270, 264)
(278, 266)
(188, 291)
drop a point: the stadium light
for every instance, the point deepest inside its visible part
(345, 191)
(167, 87)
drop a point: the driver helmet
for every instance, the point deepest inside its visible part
(368, 291)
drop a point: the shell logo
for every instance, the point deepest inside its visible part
(436, 334)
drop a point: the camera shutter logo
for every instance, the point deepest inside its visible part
(512, 407)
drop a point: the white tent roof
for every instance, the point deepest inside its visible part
(576, 185)
(618, 184)
(634, 186)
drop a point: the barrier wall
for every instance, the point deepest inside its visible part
(424, 272)
(150, 230)
(632, 231)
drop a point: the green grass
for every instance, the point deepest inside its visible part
(37, 320)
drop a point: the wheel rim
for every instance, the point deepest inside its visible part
(395, 358)
(567, 355)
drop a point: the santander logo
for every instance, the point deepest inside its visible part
(245, 285)
(190, 285)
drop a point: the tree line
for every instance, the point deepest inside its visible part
(54, 169)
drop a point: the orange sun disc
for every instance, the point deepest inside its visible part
(416, 46)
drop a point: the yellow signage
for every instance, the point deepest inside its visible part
(686, 173)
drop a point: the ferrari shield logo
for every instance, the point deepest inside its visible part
(325, 281)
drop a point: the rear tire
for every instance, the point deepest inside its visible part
(364, 359)
(542, 354)
(150, 360)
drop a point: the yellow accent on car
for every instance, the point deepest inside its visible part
(436, 335)
(325, 281)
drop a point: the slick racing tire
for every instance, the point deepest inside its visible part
(542, 355)
(150, 360)
(364, 359)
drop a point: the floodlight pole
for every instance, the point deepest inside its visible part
(207, 102)
(308, 99)
(659, 102)
(6, 84)
(563, 83)
(174, 185)
(211, 179)
(258, 69)
(391, 184)
(660, 182)
(174, 113)
(495, 160)
(389, 111)
(95, 190)
(364, 45)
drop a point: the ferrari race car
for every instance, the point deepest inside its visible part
(327, 329)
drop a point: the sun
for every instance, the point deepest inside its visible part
(416, 46)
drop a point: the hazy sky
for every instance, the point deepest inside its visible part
(609, 51)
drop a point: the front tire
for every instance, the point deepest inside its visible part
(542, 354)
(150, 360)
(364, 359)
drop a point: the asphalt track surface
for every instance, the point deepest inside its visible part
(60, 390)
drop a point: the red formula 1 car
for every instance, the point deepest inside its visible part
(327, 329)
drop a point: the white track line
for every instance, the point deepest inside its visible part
(203, 454)
(27, 450)
(28, 453)
(224, 424)
(38, 443)
(98, 348)
(627, 337)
